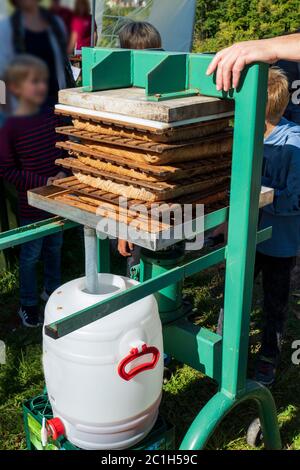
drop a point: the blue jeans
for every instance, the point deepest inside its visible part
(49, 250)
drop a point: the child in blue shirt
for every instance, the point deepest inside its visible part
(276, 257)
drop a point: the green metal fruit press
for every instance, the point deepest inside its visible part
(150, 128)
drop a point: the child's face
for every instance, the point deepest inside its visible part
(33, 89)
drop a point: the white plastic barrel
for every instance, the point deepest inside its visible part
(104, 381)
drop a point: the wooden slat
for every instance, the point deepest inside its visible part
(126, 163)
(162, 173)
(162, 190)
(119, 141)
(75, 165)
(104, 210)
(219, 193)
(110, 122)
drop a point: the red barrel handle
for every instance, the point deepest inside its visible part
(135, 354)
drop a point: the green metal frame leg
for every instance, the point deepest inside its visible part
(206, 422)
(220, 405)
(267, 414)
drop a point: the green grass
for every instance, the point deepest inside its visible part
(186, 392)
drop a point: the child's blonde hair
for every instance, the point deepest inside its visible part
(278, 95)
(22, 66)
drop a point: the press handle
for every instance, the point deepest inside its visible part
(135, 354)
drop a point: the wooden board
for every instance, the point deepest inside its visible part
(176, 134)
(163, 173)
(132, 102)
(218, 193)
(69, 203)
(136, 144)
(163, 191)
(90, 210)
(163, 132)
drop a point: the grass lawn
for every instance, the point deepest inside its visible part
(185, 393)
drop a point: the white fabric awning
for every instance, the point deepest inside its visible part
(175, 21)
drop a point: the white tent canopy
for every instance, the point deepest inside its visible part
(173, 18)
(175, 21)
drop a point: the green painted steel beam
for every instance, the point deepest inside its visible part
(169, 76)
(215, 218)
(157, 97)
(91, 314)
(219, 407)
(197, 77)
(195, 346)
(164, 75)
(34, 231)
(105, 76)
(250, 105)
(143, 63)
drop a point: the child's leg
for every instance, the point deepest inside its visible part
(29, 256)
(276, 286)
(51, 252)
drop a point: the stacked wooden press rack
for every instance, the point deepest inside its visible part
(185, 164)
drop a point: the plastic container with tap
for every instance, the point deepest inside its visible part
(104, 380)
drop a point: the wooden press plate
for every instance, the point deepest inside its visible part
(164, 191)
(158, 131)
(163, 173)
(69, 203)
(132, 102)
(152, 147)
(86, 205)
(217, 194)
(174, 134)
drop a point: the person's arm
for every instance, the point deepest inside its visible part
(73, 36)
(230, 62)
(125, 248)
(287, 200)
(96, 34)
(95, 38)
(72, 42)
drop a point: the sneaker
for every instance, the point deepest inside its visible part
(44, 296)
(265, 371)
(29, 316)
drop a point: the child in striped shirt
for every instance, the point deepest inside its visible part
(27, 160)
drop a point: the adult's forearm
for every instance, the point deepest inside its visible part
(230, 62)
(287, 47)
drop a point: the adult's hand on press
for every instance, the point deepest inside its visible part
(59, 176)
(50, 180)
(230, 62)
